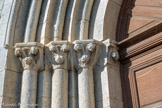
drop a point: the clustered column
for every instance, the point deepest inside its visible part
(83, 57)
(86, 56)
(58, 52)
(31, 56)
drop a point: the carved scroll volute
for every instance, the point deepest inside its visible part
(86, 53)
(31, 55)
(58, 54)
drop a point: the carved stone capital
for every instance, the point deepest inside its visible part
(57, 53)
(86, 53)
(30, 54)
(112, 51)
(109, 53)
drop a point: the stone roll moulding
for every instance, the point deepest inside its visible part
(33, 18)
(59, 17)
(70, 28)
(58, 52)
(86, 55)
(85, 18)
(31, 57)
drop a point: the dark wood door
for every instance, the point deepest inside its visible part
(139, 38)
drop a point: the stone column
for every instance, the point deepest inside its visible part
(86, 53)
(58, 58)
(31, 56)
(107, 77)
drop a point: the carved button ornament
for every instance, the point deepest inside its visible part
(86, 53)
(30, 54)
(91, 47)
(115, 55)
(58, 54)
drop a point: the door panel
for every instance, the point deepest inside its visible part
(139, 37)
(142, 79)
(149, 84)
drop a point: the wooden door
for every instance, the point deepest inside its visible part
(139, 37)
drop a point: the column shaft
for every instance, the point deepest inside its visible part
(29, 89)
(72, 89)
(60, 88)
(86, 88)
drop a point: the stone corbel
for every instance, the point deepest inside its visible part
(31, 56)
(86, 53)
(57, 53)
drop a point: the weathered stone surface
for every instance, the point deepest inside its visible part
(104, 20)
(1, 83)
(67, 80)
(107, 77)
(31, 27)
(60, 89)
(45, 89)
(44, 102)
(72, 89)
(31, 57)
(12, 84)
(3, 53)
(58, 58)
(86, 55)
(9, 102)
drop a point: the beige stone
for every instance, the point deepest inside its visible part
(57, 56)
(30, 33)
(31, 57)
(79, 72)
(86, 55)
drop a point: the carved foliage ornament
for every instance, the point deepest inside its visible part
(30, 54)
(86, 53)
(57, 54)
